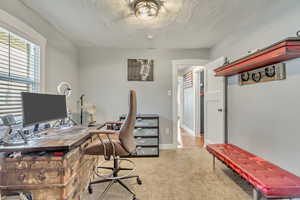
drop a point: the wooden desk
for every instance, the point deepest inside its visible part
(48, 176)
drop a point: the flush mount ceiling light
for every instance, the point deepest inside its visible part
(146, 9)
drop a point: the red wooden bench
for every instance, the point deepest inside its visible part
(269, 181)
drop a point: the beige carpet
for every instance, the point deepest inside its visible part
(183, 174)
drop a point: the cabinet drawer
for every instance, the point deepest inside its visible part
(145, 132)
(146, 141)
(146, 122)
(146, 151)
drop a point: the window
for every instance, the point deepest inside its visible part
(19, 71)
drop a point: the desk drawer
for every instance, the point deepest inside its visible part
(146, 141)
(146, 122)
(147, 151)
(146, 132)
(140, 122)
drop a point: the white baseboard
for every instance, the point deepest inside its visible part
(188, 130)
(167, 146)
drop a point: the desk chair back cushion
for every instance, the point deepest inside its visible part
(126, 136)
(125, 144)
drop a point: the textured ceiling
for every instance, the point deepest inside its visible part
(181, 23)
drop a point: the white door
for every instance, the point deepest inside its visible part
(214, 104)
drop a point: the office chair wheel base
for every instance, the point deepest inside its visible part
(131, 168)
(90, 189)
(139, 181)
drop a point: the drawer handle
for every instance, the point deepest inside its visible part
(139, 129)
(140, 151)
(140, 140)
(139, 119)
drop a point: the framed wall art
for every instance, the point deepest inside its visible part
(140, 70)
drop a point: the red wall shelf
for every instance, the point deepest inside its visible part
(281, 51)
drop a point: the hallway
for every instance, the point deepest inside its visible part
(187, 141)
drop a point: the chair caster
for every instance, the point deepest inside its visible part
(139, 181)
(134, 198)
(90, 189)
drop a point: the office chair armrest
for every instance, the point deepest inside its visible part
(111, 122)
(104, 132)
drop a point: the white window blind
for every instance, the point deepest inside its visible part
(19, 71)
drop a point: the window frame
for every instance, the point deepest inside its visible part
(23, 30)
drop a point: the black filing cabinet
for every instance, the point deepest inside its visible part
(146, 134)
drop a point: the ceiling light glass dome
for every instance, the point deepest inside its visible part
(146, 9)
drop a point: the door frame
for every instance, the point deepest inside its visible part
(175, 66)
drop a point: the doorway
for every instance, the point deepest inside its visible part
(205, 106)
(188, 100)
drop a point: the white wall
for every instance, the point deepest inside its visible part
(264, 118)
(103, 79)
(61, 55)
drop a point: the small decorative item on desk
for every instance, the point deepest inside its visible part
(109, 126)
(146, 134)
(91, 109)
(113, 126)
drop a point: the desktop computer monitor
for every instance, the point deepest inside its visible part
(38, 108)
